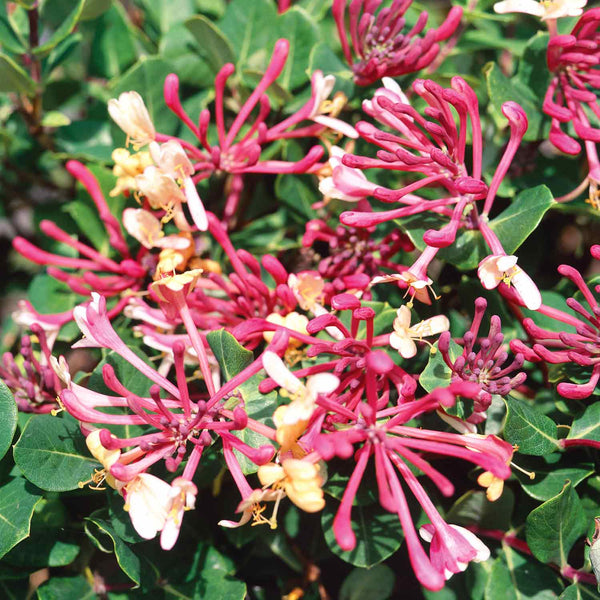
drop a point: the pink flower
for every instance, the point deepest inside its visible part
(453, 547)
(380, 44)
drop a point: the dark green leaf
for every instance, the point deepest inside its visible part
(62, 32)
(213, 45)
(9, 40)
(94, 8)
(376, 584)
(579, 591)
(86, 140)
(533, 432)
(473, 508)
(231, 356)
(502, 89)
(8, 418)
(249, 28)
(17, 503)
(551, 473)
(137, 568)
(113, 44)
(13, 78)
(67, 588)
(514, 225)
(553, 527)
(302, 33)
(516, 577)
(587, 425)
(378, 534)
(52, 454)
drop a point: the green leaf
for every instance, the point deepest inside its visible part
(302, 33)
(13, 78)
(587, 425)
(502, 89)
(55, 118)
(551, 473)
(249, 28)
(578, 591)
(67, 588)
(231, 356)
(437, 373)
(18, 499)
(60, 53)
(232, 359)
(322, 57)
(473, 508)
(52, 454)
(137, 568)
(8, 418)
(376, 584)
(516, 577)
(533, 70)
(532, 431)
(9, 40)
(378, 534)
(62, 32)
(514, 225)
(92, 9)
(49, 295)
(553, 528)
(298, 195)
(213, 45)
(85, 140)
(113, 47)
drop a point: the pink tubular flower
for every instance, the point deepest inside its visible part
(98, 272)
(32, 381)
(449, 543)
(180, 421)
(380, 44)
(238, 149)
(394, 446)
(352, 253)
(484, 367)
(434, 148)
(580, 348)
(574, 60)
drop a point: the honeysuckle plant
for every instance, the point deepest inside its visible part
(301, 299)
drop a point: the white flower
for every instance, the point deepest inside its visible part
(546, 9)
(130, 113)
(149, 501)
(403, 335)
(499, 268)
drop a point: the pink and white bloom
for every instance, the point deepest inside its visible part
(546, 9)
(147, 230)
(502, 268)
(453, 547)
(403, 336)
(130, 113)
(345, 183)
(183, 497)
(321, 88)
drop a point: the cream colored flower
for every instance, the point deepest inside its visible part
(403, 336)
(546, 9)
(301, 480)
(130, 113)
